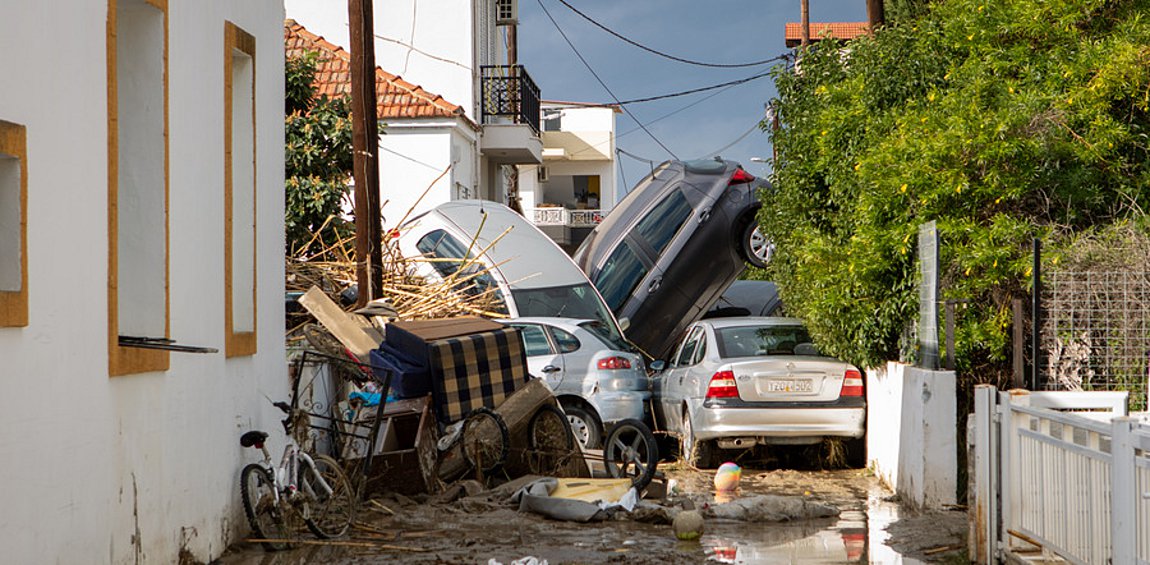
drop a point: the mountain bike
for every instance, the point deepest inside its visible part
(304, 488)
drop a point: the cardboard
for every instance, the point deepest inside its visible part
(353, 331)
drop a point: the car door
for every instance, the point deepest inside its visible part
(673, 380)
(543, 360)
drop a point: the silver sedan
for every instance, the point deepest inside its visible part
(596, 377)
(734, 383)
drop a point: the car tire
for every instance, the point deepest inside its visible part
(856, 452)
(586, 428)
(757, 249)
(699, 454)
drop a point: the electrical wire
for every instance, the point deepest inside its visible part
(694, 90)
(601, 83)
(660, 53)
(720, 150)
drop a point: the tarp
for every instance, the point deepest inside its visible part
(584, 500)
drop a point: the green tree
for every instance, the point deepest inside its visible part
(318, 161)
(1002, 121)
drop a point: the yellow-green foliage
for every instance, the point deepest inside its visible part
(1002, 121)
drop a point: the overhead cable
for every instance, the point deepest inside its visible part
(601, 83)
(660, 53)
(694, 90)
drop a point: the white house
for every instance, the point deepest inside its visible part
(141, 196)
(574, 187)
(452, 48)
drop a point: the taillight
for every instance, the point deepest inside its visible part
(723, 385)
(740, 177)
(611, 363)
(852, 383)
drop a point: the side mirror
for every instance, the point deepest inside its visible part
(624, 323)
(658, 365)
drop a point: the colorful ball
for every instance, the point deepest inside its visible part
(727, 477)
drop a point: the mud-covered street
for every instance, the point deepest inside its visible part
(870, 528)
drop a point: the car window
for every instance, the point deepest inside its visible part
(660, 225)
(573, 301)
(534, 340)
(565, 340)
(701, 349)
(449, 254)
(604, 333)
(688, 350)
(620, 274)
(745, 341)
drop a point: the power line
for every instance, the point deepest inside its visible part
(720, 150)
(601, 83)
(660, 53)
(694, 90)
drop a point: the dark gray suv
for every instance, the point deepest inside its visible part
(668, 250)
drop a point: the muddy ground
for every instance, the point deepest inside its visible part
(477, 529)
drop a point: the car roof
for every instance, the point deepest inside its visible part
(744, 321)
(525, 255)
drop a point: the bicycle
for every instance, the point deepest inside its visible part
(310, 488)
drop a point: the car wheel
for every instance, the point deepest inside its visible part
(586, 428)
(700, 454)
(757, 249)
(856, 453)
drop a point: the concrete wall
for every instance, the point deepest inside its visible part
(413, 153)
(911, 433)
(131, 469)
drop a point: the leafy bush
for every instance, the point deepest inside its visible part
(1002, 121)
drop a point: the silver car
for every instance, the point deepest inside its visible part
(735, 383)
(598, 379)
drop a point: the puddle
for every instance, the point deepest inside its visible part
(854, 537)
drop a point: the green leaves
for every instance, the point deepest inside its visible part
(1001, 121)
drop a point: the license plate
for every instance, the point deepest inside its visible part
(789, 385)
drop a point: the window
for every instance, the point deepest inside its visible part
(239, 192)
(687, 353)
(534, 340)
(761, 340)
(137, 41)
(448, 254)
(663, 222)
(619, 276)
(566, 342)
(13, 225)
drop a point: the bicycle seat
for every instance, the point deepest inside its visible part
(254, 437)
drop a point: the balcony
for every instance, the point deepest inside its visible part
(510, 116)
(566, 227)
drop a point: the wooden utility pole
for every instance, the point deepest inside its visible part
(875, 14)
(805, 10)
(365, 143)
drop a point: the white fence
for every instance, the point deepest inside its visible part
(556, 216)
(1063, 474)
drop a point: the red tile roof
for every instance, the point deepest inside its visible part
(841, 30)
(395, 97)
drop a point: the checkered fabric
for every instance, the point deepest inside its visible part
(475, 370)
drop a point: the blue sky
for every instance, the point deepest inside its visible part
(719, 31)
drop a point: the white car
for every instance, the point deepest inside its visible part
(530, 273)
(599, 380)
(734, 383)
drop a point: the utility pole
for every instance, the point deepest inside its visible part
(513, 62)
(875, 14)
(365, 143)
(805, 10)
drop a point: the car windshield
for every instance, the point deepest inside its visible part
(604, 333)
(448, 254)
(573, 301)
(748, 341)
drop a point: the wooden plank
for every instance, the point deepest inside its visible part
(353, 331)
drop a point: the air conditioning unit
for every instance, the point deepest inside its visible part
(506, 12)
(542, 174)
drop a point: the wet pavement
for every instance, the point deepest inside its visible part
(463, 532)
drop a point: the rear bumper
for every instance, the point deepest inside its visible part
(714, 423)
(615, 406)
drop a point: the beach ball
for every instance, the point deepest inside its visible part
(727, 476)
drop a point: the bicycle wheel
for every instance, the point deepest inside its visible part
(630, 452)
(327, 516)
(485, 440)
(550, 439)
(257, 489)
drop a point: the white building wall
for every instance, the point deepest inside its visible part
(130, 469)
(429, 44)
(413, 155)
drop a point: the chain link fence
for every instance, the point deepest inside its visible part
(1095, 332)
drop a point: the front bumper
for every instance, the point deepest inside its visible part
(620, 405)
(715, 423)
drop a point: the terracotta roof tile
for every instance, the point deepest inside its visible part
(395, 97)
(839, 30)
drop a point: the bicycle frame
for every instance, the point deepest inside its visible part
(286, 475)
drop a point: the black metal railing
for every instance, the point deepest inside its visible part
(509, 92)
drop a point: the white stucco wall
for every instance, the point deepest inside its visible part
(912, 433)
(413, 154)
(130, 469)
